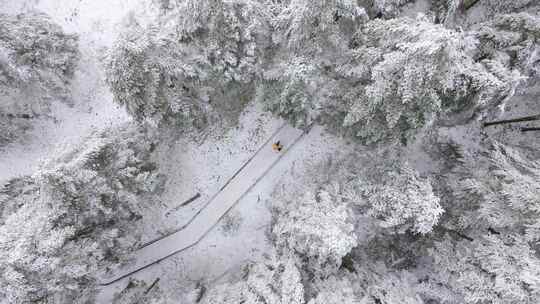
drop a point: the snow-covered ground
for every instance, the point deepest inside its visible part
(219, 204)
(204, 169)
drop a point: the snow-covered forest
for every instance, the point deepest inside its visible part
(270, 151)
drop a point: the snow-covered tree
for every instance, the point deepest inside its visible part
(398, 288)
(320, 219)
(311, 38)
(487, 270)
(371, 282)
(493, 7)
(275, 280)
(75, 216)
(306, 28)
(416, 71)
(506, 193)
(335, 291)
(513, 40)
(396, 196)
(204, 68)
(23, 189)
(389, 79)
(37, 61)
(485, 251)
(142, 73)
(315, 226)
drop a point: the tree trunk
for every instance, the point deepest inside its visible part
(499, 122)
(524, 129)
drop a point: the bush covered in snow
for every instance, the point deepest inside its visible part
(37, 61)
(74, 216)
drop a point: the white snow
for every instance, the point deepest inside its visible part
(234, 189)
(204, 167)
(218, 254)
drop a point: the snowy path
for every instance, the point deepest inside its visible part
(241, 182)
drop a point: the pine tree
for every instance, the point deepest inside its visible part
(202, 69)
(395, 196)
(37, 61)
(317, 227)
(419, 71)
(488, 270)
(491, 258)
(311, 41)
(74, 217)
(511, 39)
(275, 280)
(379, 80)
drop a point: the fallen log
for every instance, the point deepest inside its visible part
(185, 203)
(151, 286)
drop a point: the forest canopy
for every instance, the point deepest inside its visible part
(412, 176)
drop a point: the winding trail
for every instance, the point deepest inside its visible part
(202, 223)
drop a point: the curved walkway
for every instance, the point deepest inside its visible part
(200, 225)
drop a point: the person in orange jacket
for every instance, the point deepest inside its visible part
(277, 146)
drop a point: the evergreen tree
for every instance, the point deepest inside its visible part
(416, 71)
(204, 68)
(380, 80)
(275, 280)
(488, 270)
(74, 217)
(397, 197)
(317, 227)
(487, 250)
(512, 39)
(37, 61)
(304, 81)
